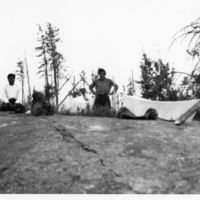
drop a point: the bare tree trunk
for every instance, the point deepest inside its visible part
(55, 80)
(47, 88)
(23, 98)
(28, 78)
(61, 87)
(46, 70)
(22, 93)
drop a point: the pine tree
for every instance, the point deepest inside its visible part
(44, 67)
(55, 58)
(51, 65)
(156, 79)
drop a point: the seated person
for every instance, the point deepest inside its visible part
(10, 96)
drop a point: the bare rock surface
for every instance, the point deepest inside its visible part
(96, 155)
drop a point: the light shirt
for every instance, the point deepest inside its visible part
(10, 91)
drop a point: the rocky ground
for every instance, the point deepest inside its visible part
(77, 155)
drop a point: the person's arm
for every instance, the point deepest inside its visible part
(4, 95)
(91, 88)
(115, 87)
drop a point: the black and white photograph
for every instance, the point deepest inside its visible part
(99, 97)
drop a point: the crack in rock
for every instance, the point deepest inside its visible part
(66, 136)
(2, 170)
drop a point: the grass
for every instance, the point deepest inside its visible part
(91, 112)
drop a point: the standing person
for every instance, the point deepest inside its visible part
(10, 96)
(102, 87)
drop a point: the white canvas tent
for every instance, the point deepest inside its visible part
(74, 104)
(167, 110)
(78, 103)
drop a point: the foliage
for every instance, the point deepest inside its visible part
(43, 52)
(51, 65)
(49, 92)
(191, 32)
(75, 93)
(157, 80)
(80, 88)
(20, 71)
(55, 58)
(83, 78)
(130, 86)
(191, 83)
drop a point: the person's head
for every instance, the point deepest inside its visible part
(101, 73)
(11, 79)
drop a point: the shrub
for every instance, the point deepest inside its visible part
(97, 112)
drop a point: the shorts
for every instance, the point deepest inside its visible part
(102, 100)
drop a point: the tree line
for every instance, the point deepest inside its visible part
(157, 81)
(51, 66)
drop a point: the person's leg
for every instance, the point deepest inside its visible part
(5, 106)
(103, 101)
(107, 103)
(97, 102)
(19, 108)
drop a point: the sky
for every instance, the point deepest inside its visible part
(111, 34)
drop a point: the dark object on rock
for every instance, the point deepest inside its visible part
(19, 110)
(125, 113)
(151, 113)
(40, 106)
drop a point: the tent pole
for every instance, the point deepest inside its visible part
(68, 94)
(61, 87)
(132, 83)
